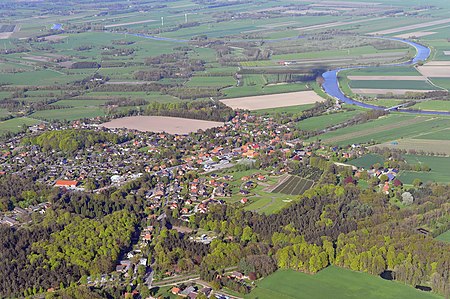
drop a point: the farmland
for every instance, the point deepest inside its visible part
(436, 105)
(439, 169)
(16, 124)
(327, 120)
(386, 129)
(438, 146)
(294, 185)
(172, 125)
(274, 101)
(367, 161)
(332, 282)
(391, 84)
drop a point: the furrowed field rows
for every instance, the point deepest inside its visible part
(294, 186)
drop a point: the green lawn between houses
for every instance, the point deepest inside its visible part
(444, 237)
(332, 282)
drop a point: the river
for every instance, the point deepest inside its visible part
(331, 83)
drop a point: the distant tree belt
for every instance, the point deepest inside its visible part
(205, 110)
(70, 141)
(85, 65)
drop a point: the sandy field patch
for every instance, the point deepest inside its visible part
(274, 100)
(390, 78)
(37, 58)
(438, 63)
(411, 27)
(385, 91)
(415, 34)
(426, 145)
(171, 125)
(66, 64)
(129, 23)
(5, 35)
(127, 82)
(434, 71)
(336, 24)
(55, 37)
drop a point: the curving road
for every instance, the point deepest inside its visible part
(331, 83)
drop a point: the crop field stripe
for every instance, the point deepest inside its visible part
(299, 182)
(376, 130)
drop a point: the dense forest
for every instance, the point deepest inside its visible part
(205, 110)
(59, 249)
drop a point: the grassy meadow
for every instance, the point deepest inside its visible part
(332, 282)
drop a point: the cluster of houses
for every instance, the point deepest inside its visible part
(191, 292)
(18, 216)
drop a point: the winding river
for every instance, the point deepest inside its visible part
(331, 83)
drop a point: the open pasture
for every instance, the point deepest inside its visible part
(274, 101)
(435, 105)
(211, 81)
(377, 91)
(412, 27)
(392, 84)
(367, 161)
(387, 78)
(439, 169)
(332, 282)
(391, 127)
(171, 125)
(69, 113)
(16, 124)
(426, 145)
(323, 121)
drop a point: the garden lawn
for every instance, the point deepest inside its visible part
(444, 237)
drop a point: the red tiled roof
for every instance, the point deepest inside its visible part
(64, 183)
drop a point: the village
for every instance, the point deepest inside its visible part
(244, 141)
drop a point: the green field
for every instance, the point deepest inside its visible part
(327, 120)
(69, 113)
(367, 161)
(15, 124)
(244, 91)
(442, 82)
(444, 237)
(391, 127)
(211, 81)
(439, 169)
(290, 109)
(382, 71)
(436, 105)
(332, 282)
(385, 84)
(385, 102)
(443, 134)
